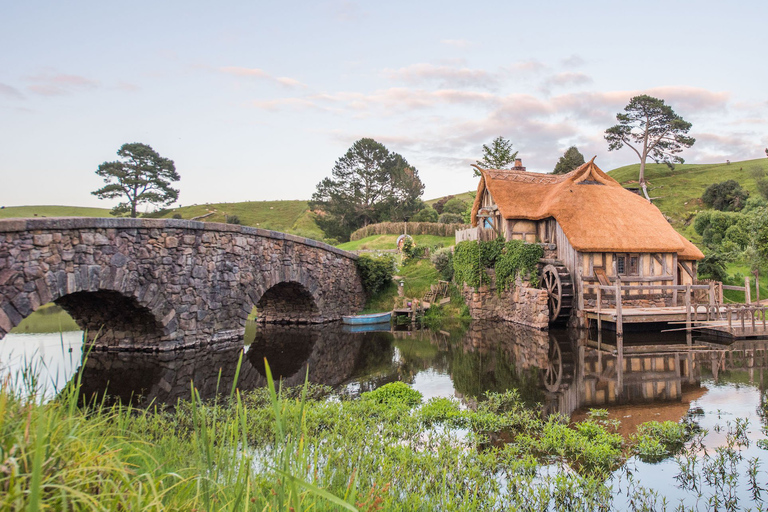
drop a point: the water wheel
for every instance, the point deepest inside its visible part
(556, 280)
(552, 375)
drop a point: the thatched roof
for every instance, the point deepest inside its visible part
(595, 212)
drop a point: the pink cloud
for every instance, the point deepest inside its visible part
(11, 92)
(446, 76)
(59, 84)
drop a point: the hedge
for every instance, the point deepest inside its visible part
(413, 228)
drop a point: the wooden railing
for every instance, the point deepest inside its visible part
(689, 301)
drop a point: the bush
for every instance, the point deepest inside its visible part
(716, 226)
(177, 216)
(725, 196)
(456, 206)
(232, 219)
(394, 394)
(428, 214)
(375, 272)
(450, 218)
(439, 204)
(442, 259)
(713, 267)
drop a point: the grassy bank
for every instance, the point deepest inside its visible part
(262, 451)
(677, 192)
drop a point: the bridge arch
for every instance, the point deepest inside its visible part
(181, 283)
(288, 302)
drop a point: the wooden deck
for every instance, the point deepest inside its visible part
(630, 315)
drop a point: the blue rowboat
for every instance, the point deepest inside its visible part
(373, 318)
(380, 327)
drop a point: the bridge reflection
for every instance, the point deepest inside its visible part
(562, 372)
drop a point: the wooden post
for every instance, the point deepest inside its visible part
(730, 319)
(619, 319)
(711, 301)
(747, 291)
(752, 315)
(687, 301)
(599, 301)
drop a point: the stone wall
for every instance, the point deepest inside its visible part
(166, 284)
(521, 304)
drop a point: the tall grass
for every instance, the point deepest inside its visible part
(294, 450)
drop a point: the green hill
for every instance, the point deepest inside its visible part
(677, 192)
(10, 212)
(467, 197)
(286, 216)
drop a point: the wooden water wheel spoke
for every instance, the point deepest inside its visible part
(556, 280)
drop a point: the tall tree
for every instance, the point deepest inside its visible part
(368, 184)
(651, 129)
(571, 159)
(497, 156)
(140, 176)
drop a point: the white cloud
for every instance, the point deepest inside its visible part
(457, 43)
(260, 74)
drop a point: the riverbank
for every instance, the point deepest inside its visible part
(304, 451)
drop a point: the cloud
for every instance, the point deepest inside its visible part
(568, 78)
(261, 75)
(445, 76)
(59, 84)
(128, 87)
(528, 66)
(457, 43)
(11, 92)
(574, 61)
(346, 11)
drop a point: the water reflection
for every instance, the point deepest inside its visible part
(565, 372)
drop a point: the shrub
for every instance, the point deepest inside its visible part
(177, 216)
(375, 272)
(232, 219)
(713, 267)
(428, 214)
(725, 196)
(439, 204)
(442, 259)
(456, 206)
(394, 394)
(450, 218)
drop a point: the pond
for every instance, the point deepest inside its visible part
(653, 377)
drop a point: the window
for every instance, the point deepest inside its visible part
(628, 264)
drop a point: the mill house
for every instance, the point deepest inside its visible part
(595, 233)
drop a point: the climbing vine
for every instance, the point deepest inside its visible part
(520, 259)
(466, 263)
(509, 260)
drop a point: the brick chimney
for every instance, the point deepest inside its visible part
(518, 165)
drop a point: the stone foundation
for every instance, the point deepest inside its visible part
(521, 304)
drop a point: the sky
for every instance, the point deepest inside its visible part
(256, 100)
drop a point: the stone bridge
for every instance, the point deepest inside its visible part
(165, 284)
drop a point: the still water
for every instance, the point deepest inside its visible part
(652, 378)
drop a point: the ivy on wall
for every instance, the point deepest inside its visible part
(509, 260)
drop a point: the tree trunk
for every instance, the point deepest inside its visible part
(642, 180)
